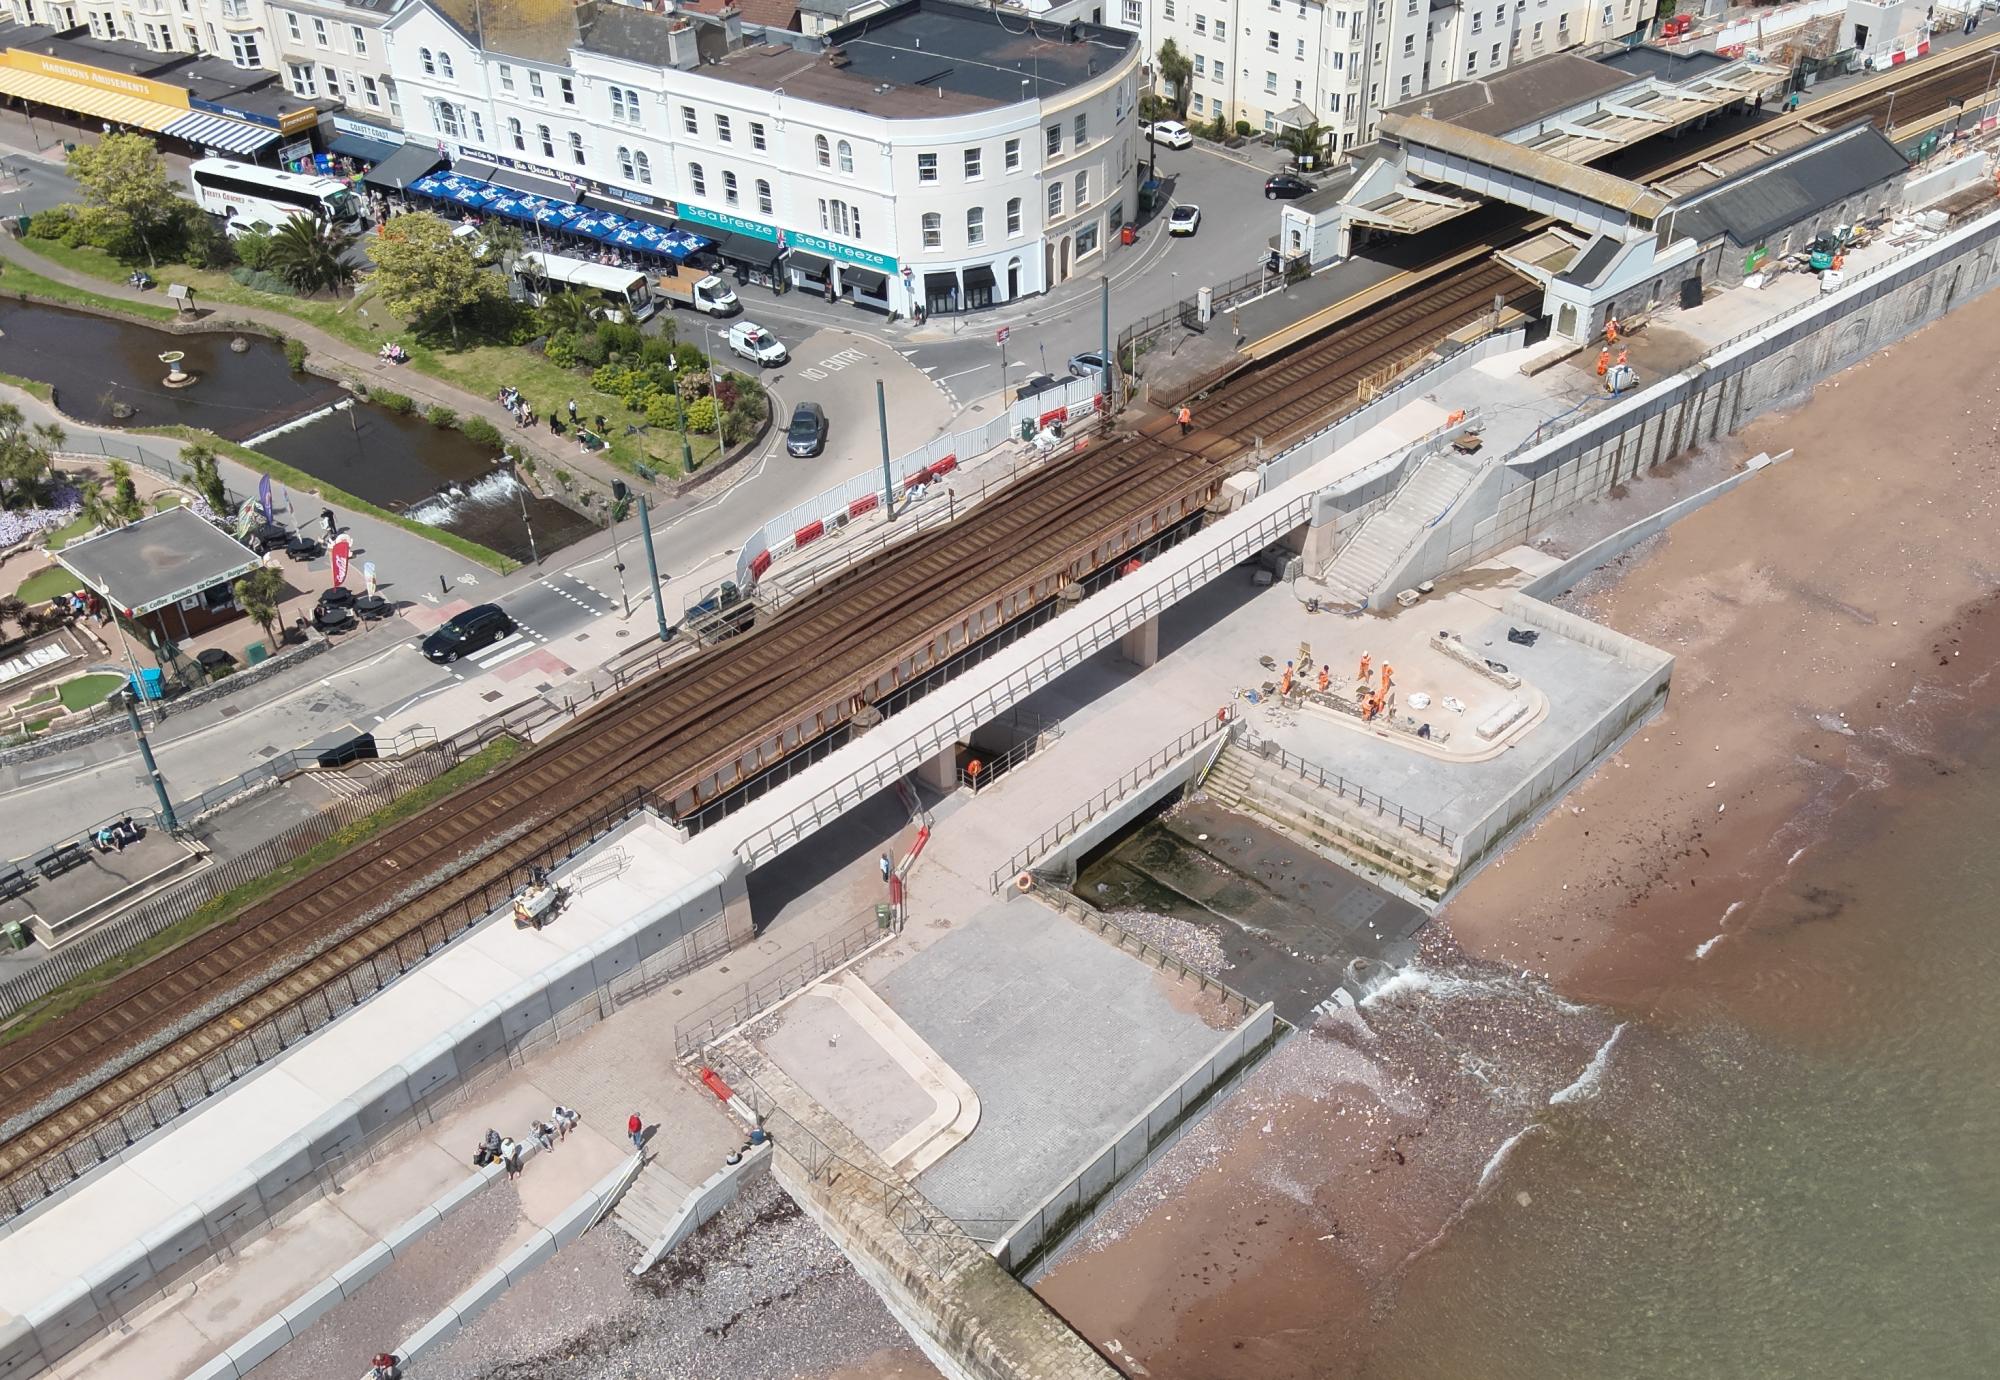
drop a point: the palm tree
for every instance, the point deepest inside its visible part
(567, 311)
(311, 255)
(1305, 142)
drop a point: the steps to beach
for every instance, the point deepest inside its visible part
(650, 1205)
(1372, 555)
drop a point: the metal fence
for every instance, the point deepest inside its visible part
(169, 908)
(776, 981)
(370, 972)
(1354, 791)
(1109, 796)
(982, 770)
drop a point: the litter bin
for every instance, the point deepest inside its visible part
(14, 934)
(151, 684)
(1128, 233)
(883, 915)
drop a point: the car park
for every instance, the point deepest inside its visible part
(474, 630)
(806, 436)
(1185, 220)
(1172, 133)
(1286, 186)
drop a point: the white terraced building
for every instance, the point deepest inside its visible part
(931, 155)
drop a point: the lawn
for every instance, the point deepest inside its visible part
(19, 279)
(45, 585)
(232, 903)
(59, 537)
(86, 692)
(165, 501)
(481, 370)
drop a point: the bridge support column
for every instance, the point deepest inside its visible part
(737, 923)
(1141, 646)
(941, 772)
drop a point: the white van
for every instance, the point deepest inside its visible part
(756, 344)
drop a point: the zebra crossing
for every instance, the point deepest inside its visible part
(520, 642)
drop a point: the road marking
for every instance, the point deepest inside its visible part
(582, 604)
(468, 579)
(506, 649)
(815, 374)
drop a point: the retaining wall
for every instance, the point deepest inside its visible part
(676, 934)
(1032, 1241)
(1172, 779)
(1731, 385)
(715, 1193)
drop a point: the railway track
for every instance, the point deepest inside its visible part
(61, 1087)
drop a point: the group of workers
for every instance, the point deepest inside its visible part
(1373, 701)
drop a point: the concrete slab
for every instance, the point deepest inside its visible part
(1063, 1037)
(829, 1054)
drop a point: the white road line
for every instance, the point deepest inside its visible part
(487, 661)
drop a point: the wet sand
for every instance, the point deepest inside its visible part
(1825, 616)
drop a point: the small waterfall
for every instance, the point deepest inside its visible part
(307, 420)
(496, 487)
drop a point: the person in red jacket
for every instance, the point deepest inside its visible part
(636, 1129)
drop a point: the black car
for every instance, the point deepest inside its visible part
(807, 433)
(471, 631)
(1286, 187)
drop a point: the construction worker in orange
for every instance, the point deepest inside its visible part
(1611, 330)
(1285, 682)
(1325, 678)
(1367, 662)
(1603, 363)
(1387, 672)
(1186, 419)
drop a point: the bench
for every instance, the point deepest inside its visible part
(61, 859)
(14, 881)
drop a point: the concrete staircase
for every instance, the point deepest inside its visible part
(1331, 824)
(649, 1206)
(1373, 553)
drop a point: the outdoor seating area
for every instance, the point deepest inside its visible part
(565, 223)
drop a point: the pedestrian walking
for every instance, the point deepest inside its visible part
(636, 1129)
(1186, 419)
(572, 410)
(888, 866)
(387, 1365)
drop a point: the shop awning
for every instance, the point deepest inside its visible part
(601, 201)
(366, 150)
(814, 264)
(865, 280)
(546, 187)
(566, 217)
(88, 100)
(746, 249)
(220, 132)
(408, 164)
(978, 276)
(940, 284)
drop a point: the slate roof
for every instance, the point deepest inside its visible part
(1763, 200)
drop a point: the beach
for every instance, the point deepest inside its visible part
(1677, 1086)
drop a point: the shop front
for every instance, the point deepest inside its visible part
(51, 83)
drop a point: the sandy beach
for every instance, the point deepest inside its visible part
(1827, 618)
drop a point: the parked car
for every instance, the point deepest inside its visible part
(807, 433)
(1172, 133)
(1286, 187)
(1033, 384)
(1088, 365)
(756, 344)
(1185, 220)
(471, 631)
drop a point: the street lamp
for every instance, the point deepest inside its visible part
(715, 390)
(618, 496)
(687, 452)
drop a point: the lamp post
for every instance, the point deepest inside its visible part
(131, 699)
(715, 391)
(619, 494)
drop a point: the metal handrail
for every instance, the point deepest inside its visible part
(1353, 790)
(1131, 781)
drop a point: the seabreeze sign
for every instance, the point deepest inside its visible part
(793, 239)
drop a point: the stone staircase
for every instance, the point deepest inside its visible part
(649, 1206)
(1373, 553)
(1332, 824)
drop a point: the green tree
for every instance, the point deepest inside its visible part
(504, 243)
(1177, 68)
(1307, 142)
(206, 476)
(427, 275)
(26, 458)
(567, 311)
(259, 594)
(125, 176)
(123, 504)
(311, 254)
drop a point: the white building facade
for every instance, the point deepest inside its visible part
(327, 49)
(979, 205)
(236, 30)
(1268, 63)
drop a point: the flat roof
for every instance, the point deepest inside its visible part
(1791, 188)
(158, 560)
(1644, 60)
(1520, 96)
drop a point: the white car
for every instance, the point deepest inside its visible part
(1172, 133)
(1185, 220)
